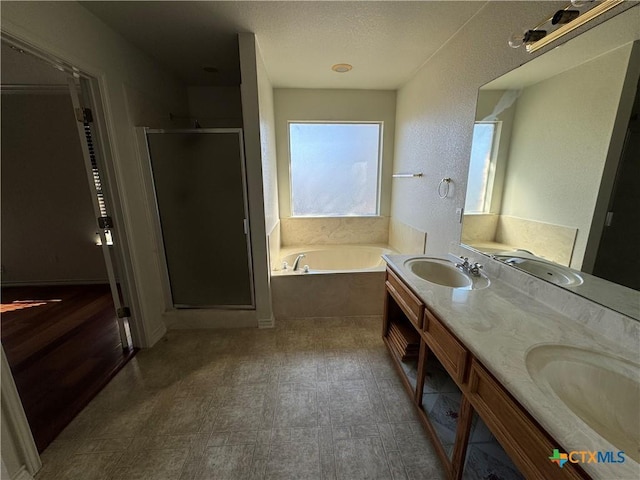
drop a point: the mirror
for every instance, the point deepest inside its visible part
(555, 154)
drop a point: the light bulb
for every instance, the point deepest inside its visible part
(580, 3)
(564, 16)
(532, 36)
(516, 40)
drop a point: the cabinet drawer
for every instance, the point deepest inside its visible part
(410, 304)
(451, 353)
(524, 441)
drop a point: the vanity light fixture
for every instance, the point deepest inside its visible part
(569, 18)
(341, 67)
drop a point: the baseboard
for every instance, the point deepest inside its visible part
(155, 336)
(209, 318)
(267, 322)
(22, 474)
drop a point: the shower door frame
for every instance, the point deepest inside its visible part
(143, 133)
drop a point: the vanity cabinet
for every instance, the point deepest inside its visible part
(478, 429)
(399, 330)
(526, 443)
(410, 304)
(453, 354)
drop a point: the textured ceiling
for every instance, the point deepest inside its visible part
(386, 42)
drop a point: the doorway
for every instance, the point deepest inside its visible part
(64, 316)
(617, 260)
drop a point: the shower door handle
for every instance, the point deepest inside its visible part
(245, 224)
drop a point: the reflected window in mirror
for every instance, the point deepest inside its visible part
(482, 166)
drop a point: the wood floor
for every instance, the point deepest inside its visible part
(62, 351)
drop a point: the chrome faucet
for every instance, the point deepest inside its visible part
(471, 268)
(475, 269)
(297, 261)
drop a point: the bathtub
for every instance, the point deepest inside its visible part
(343, 280)
(334, 258)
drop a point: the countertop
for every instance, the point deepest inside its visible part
(500, 325)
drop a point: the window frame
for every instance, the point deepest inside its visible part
(379, 160)
(493, 163)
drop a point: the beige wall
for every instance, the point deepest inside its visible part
(48, 223)
(215, 107)
(561, 134)
(268, 145)
(333, 105)
(436, 110)
(255, 90)
(269, 161)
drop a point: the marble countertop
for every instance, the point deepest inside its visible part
(500, 325)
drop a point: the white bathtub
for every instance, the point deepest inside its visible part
(334, 258)
(343, 280)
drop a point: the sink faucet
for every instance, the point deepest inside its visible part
(475, 269)
(471, 268)
(463, 266)
(297, 261)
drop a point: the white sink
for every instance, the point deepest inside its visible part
(551, 272)
(604, 391)
(444, 272)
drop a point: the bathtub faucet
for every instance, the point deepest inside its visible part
(297, 261)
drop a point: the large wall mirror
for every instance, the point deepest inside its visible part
(554, 175)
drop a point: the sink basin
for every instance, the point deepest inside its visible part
(604, 391)
(551, 272)
(444, 272)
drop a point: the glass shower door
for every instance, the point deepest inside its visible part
(200, 188)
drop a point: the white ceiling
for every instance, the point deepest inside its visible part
(386, 42)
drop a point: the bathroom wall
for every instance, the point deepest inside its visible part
(332, 231)
(215, 107)
(436, 111)
(546, 169)
(553, 242)
(406, 239)
(269, 161)
(333, 105)
(267, 144)
(259, 153)
(48, 224)
(493, 233)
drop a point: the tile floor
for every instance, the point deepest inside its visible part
(310, 399)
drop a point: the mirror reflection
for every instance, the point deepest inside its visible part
(555, 160)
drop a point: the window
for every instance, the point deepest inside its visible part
(335, 168)
(482, 166)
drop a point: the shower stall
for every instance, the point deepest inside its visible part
(200, 190)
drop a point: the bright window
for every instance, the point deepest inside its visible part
(482, 167)
(335, 168)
